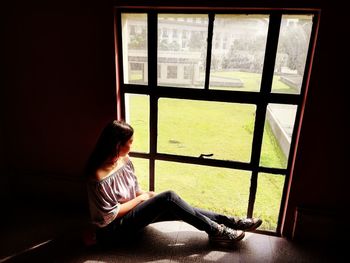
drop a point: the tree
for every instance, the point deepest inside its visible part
(138, 41)
(197, 41)
(294, 42)
(165, 45)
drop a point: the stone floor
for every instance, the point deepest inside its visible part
(173, 241)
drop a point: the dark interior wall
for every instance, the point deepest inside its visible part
(4, 180)
(321, 168)
(59, 90)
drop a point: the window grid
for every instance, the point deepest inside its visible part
(260, 99)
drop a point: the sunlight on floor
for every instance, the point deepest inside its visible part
(177, 245)
(214, 256)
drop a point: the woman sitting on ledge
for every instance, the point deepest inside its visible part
(118, 205)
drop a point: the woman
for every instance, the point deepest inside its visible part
(119, 206)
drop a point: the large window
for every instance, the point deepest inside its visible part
(216, 101)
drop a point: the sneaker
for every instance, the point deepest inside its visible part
(245, 224)
(226, 235)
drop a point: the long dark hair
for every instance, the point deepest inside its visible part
(113, 136)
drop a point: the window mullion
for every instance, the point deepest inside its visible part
(152, 32)
(118, 42)
(266, 82)
(152, 23)
(209, 48)
(270, 53)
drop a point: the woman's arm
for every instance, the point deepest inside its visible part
(140, 192)
(129, 205)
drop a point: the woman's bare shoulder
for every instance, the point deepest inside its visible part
(100, 174)
(126, 158)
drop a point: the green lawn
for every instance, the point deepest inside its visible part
(252, 82)
(188, 127)
(193, 127)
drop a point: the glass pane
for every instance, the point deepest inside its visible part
(192, 128)
(137, 114)
(292, 51)
(134, 37)
(279, 125)
(268, 199)
(142, 172)
(182, 49)
(217, 189)
(238, 51)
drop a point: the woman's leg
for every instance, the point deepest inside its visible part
(246, 224)
(216, 217)
(166, 206)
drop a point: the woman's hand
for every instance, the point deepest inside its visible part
(146, 195)
(129, 205)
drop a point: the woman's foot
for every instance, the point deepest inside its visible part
(226, 235)
(245, 224)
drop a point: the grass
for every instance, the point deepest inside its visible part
(252, 82)
(189, 127)
(205, 127)
(271, 153)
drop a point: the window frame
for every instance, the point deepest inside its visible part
(260, 99)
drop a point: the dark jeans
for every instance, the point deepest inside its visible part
(165, 206)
